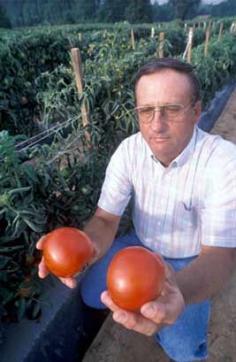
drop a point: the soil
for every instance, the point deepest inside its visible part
(117, 344)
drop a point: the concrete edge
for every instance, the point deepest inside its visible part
(54, 335)
(216, 106)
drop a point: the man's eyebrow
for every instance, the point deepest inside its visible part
(146, 105)
(159, 104)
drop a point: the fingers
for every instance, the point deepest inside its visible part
(154, 311)
(69, 282)
(106, 299)
(42, 269)
(43, 272)
(168, 307)
(130, 320)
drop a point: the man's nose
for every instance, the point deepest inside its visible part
(158, 120)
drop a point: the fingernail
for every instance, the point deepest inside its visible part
(104, 298)
(41, 275)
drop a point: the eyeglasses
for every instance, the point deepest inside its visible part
(171, 112)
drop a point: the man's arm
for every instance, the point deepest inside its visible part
(207, 274)
(101, 229)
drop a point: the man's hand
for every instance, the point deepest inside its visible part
(43, 271)
(153, 315)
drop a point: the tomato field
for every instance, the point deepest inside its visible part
(52, 166)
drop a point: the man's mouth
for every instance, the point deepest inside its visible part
(159, 139)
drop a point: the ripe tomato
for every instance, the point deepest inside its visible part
(135, 276)
(66, 251)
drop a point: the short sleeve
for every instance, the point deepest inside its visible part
(218, 216)
(117, 188)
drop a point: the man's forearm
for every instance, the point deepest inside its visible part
(101, 231)
(207, 274)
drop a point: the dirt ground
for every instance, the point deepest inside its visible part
(116, 344)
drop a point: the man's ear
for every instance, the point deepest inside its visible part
(197, 109)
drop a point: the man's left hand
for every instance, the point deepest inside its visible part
(155, 314)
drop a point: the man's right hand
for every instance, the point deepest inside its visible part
(43, 271)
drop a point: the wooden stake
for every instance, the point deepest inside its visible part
(206, 42)
(80, 36)
(220, 31)
(190, 45)
(188, 49)
(161, 44)
(77, 67)
(152, 32)
(233, 27)
(132, 39)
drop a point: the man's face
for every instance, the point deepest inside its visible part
(167, 133)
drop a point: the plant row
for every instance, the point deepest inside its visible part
(25, 56)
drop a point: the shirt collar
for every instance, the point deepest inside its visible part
(183, 156)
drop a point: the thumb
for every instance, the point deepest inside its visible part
(40, 242)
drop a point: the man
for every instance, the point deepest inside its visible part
(182, 183)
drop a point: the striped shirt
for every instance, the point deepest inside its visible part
(178, 208)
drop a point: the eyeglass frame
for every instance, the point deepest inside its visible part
(162, 108)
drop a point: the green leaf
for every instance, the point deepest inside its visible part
(33, 226)
(19, 190)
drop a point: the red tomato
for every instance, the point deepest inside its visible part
(66, 251)
(135, 276)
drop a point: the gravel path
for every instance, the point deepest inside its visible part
(116, 344)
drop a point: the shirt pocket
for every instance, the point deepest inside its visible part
(186, 217)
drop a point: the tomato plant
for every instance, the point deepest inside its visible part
(135, 276)
(66, 251)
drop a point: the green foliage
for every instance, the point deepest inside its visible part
(164, 12)
(40, 190)
(55, 12)
(223, 9)
(34, 55)
(185, 8)
(112, 11)
(22, 219)
(87, 10)
(138, 11)
(218, 68)
(34, 12)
